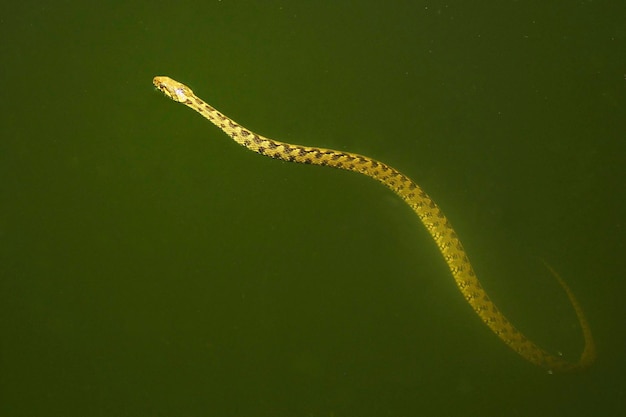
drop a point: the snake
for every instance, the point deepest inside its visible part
(431, 216)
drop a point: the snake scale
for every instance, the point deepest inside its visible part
(428, 212)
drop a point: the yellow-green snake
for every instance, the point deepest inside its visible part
(429, 213)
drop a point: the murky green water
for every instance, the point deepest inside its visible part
(151, 267)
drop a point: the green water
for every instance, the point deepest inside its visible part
(151, 267)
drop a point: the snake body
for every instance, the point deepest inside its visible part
(428, 212)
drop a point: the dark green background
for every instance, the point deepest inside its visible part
(149, 266)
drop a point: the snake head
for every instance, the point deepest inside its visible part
(173, 89)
